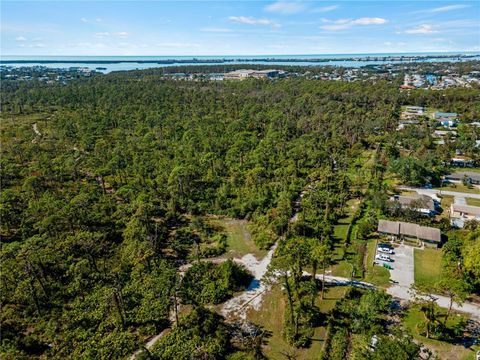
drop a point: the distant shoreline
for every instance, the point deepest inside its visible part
(221, 60)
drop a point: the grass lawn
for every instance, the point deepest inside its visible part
(375, 274)
(460, 188)
(427, 268)
(239, 239)
(270, 316)
(342, 268)
(442, 349)
(473, 202)
(445, 205)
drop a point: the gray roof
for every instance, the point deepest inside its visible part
(429, 233)
(416, 201)
(409, 229)
(466, 209)
(459, 175)
(389, 227)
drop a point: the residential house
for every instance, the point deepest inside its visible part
(444, 115)
(460, 213)
(423, 204)
(470, 177)
(462, 162)
(238, 74)
(446, 119)
(412, 112)
(399, 230)
(257, 74)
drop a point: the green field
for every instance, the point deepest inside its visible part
(473, 202)
(460, 188)
(445, 205)
(239, 239)
(377, 275)
(444, 350)
(341, 266)
(428, 263)
(271, 314)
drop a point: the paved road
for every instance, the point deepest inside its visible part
(403, 274)
(436, 192)
(405, 293)
(402, 271)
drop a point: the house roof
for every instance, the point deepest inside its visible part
(389, 227)
(409, 229)
(461, 174)
(466, 209)
(418, 201)
(429, 233)
(445, 114)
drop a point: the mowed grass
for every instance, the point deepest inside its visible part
(460, 188)
(341, 267)
(473, 202)
(427, 267)
(445, 205)
(271, 317)
(239, 239)
(413, 323)
(375, 274)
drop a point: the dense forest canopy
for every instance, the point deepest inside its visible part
(100, 209)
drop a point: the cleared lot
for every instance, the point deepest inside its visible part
(428, 267)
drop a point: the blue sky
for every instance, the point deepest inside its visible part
(237, 28)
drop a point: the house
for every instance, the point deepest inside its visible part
(412, 112)
(415, 109)
(448, 123)
(264, 74)
(462, 162)
(460, 213)
(400, 230)
(446, 119)
(421, 203)
(238, 74)
(257, 74)
(470, 177)
(444, 115)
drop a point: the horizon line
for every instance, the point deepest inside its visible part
(225, 55)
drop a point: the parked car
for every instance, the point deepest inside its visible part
(383, 257)
(385, 250)
(385, 245)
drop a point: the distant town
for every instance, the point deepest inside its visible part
(432, 76)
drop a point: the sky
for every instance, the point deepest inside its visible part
(142, 28)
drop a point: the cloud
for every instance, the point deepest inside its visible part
(215, 30)
(20, 38)
(421, 29)
(252, 21)
(343, 24)
(325, 9)
(445, 8)
(178, 45)
(120, 34)
(85, 20)
(37, 45)
(102, 34)
(284, 7)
